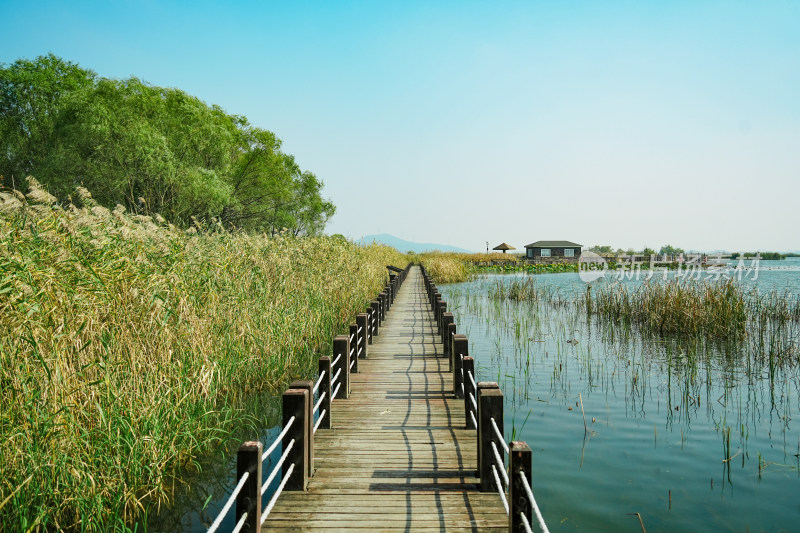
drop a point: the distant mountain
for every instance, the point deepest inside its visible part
(408, 246)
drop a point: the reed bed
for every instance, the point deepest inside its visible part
(127, 347)
(714, 310)
(446, 267)
(524, 290)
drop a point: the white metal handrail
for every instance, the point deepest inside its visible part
(240, 524)
(533, 503)
(359, 351)
(359, 329)
(319, 381)
(500, 490)
(352, 350)
(277, 466)
(473, 419)
(319, 420)
(336, 360)
(499, 435)
(525, 523)
(474, 403)
(274, 499)
(319, 402)
(500, 464)
(335, 392)
(352, 336)
(278, 439)
(229, 503)
(352, 363)
(336, 377)
(472, 379)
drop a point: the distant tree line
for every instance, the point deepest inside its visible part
(772, 256)
(667, 249)
(671, 250)
(151, 149)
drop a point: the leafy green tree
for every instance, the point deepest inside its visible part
(647, 252)
(670, 250)
(151, 149)
(31, 96)
(605, 249)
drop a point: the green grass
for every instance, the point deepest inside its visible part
(697, 310)
(127, 348)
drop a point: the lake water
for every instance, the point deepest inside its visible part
(691, 437)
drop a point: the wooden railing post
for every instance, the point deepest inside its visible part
(490, 405)
(447, 319)
(325, 388)
(353, 346)
(451, 333)
(376, 316)
(308, 386)
(295, 404)
(382, 306)
(341, 345)
(441, 311)
(482, 385)
(361, 342)
(370, 324)
(519, 459)
(460, 347)
(248, 459)
(469, 367)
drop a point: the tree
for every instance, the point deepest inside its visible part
(151, 149)
(605, 249)
(647, 252)
(669, 250)
(31, 96)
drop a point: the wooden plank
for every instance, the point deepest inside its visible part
(398, 456)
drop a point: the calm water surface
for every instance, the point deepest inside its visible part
(693, 438)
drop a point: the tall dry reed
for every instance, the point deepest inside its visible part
(126, 346)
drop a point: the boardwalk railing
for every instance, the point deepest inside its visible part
(299, 412)
(483, 409)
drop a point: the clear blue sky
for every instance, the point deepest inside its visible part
(624, 123)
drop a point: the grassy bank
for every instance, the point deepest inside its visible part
(125, 345)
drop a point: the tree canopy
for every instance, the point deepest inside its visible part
(151, 149)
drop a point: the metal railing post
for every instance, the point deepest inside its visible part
(248, 459)
(295, 404)
(325, 388)
(519, 459)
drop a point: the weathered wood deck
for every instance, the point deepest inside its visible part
(397, 457)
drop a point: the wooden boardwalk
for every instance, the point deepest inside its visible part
(397, 457)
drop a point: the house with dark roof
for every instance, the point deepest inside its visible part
(552, 251)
